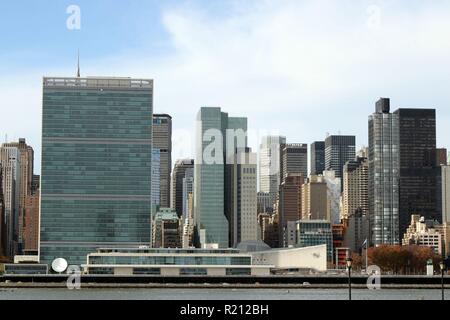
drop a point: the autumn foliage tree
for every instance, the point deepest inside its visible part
(402, 259)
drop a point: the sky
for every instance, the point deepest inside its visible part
(303, 69)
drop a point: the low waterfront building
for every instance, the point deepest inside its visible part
(249, 260)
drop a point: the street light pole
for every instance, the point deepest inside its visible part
(349, 267)
(442, 265)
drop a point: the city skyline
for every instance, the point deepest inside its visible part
(170, 48)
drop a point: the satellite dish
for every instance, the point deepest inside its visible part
(59, 265)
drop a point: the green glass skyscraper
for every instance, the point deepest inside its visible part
(96, 165)
(218, 139)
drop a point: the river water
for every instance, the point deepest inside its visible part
(217, 294)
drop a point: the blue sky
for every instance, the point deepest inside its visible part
(298, 68)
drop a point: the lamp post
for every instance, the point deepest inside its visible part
(442, 265)
(349, 268)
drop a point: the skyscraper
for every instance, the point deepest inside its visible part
(384, 174)
(156, 184)
(338, 151)
(96, 165)
(2, 214)
(355, 196)
(419, 175)
(294, 160)
(290, 204)
(314, 197)
(26, 161)
(244, 218)
(317, 158)
(218, 139)
(10, 160)
(188, 190)
(270, 164)
(441, 157)
(178, 174)
(162, 140)
(445, 194)
(333, 195)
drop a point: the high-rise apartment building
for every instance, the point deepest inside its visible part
(384, 174)
(317, 158)
(219, 137)
(315, 204)
(338, 151)
(162, 140)
(244, 218)
(270, 164)
(419, 175)
(294, 160)
(96, 165)
(355, 196)
(178, 174)
(31, 223)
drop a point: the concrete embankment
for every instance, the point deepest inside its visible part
(275, 282)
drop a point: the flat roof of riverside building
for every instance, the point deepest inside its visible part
(97, 82)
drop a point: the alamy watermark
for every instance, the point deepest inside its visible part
(73, 21)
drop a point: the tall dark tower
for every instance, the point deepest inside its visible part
(419, 175)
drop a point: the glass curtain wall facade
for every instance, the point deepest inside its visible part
(384, 168)
(212, 177)
(96, 165)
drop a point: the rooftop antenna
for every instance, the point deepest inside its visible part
(78, 65)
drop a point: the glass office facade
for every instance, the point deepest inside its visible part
(96, 165)
(315, 232)
(212, 174)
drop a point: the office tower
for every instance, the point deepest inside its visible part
(419, 175)
(26, 160)
(290, 204)
(268, 228)
(2, 214)
(315, 204)
(357, 231)
(294, 160)
(178, 174)
(445, 185)
(265, 202)
(10, 160)
(441, 157)
(166, 229)
(96, 165)
(269, 165)
(384, 174)
(188, 190)
(355, 196)
(244, 217)
(338, 151)
(156, 176)
(162, 140)
(315, 232)
(218, 138)
(333, 195)
(317, 158)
